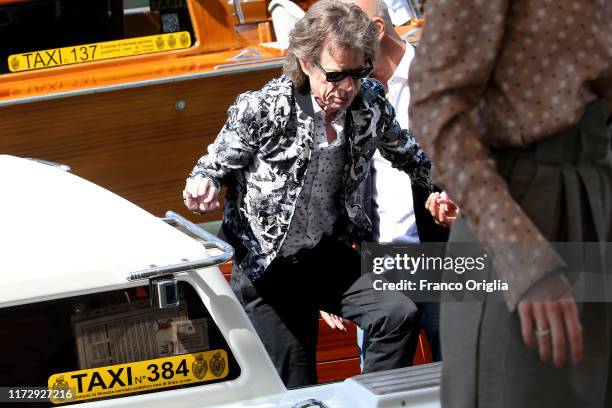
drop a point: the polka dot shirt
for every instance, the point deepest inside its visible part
(500, 73)
(317, 205)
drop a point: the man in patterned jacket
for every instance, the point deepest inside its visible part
(292, 156)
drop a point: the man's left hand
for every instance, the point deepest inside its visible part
(552, 325)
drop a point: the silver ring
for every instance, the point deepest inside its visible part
(539, 333)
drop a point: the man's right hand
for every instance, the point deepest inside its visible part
(201, 195)
(443, 210)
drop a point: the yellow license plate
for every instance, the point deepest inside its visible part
(140, 376)
(99, 51)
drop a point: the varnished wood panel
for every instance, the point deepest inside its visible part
(213, 25)
(254, 33)
(338, 370)
(304, 4)
(226, 269)
(133, 141)
(423, 351)
(266, 32)
(336, 345)
(247, 34)
(253, 11)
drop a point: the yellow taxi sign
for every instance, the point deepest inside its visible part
(140, 376)
(98, 51)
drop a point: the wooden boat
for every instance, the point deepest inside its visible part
(134, 123)
(134, 120)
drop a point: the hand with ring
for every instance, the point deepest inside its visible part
(541, 332)
(553, 326)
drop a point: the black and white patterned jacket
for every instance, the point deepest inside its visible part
(262, 154)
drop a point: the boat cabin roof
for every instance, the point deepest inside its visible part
(63, 234)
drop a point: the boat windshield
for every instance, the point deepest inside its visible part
(113, 344)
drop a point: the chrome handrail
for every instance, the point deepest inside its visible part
(239, 12)
(61, 166)
(249, 62)
(246, 53)
(209, 241)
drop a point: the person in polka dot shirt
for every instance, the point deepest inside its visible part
(512, 99)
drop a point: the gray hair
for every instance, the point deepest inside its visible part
(333, 24)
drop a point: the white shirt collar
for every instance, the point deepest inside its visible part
(315, 105)
(338, 123)
(402, 70)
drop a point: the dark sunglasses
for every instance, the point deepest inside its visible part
(337, 76)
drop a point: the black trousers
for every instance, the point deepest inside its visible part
(283, 307)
